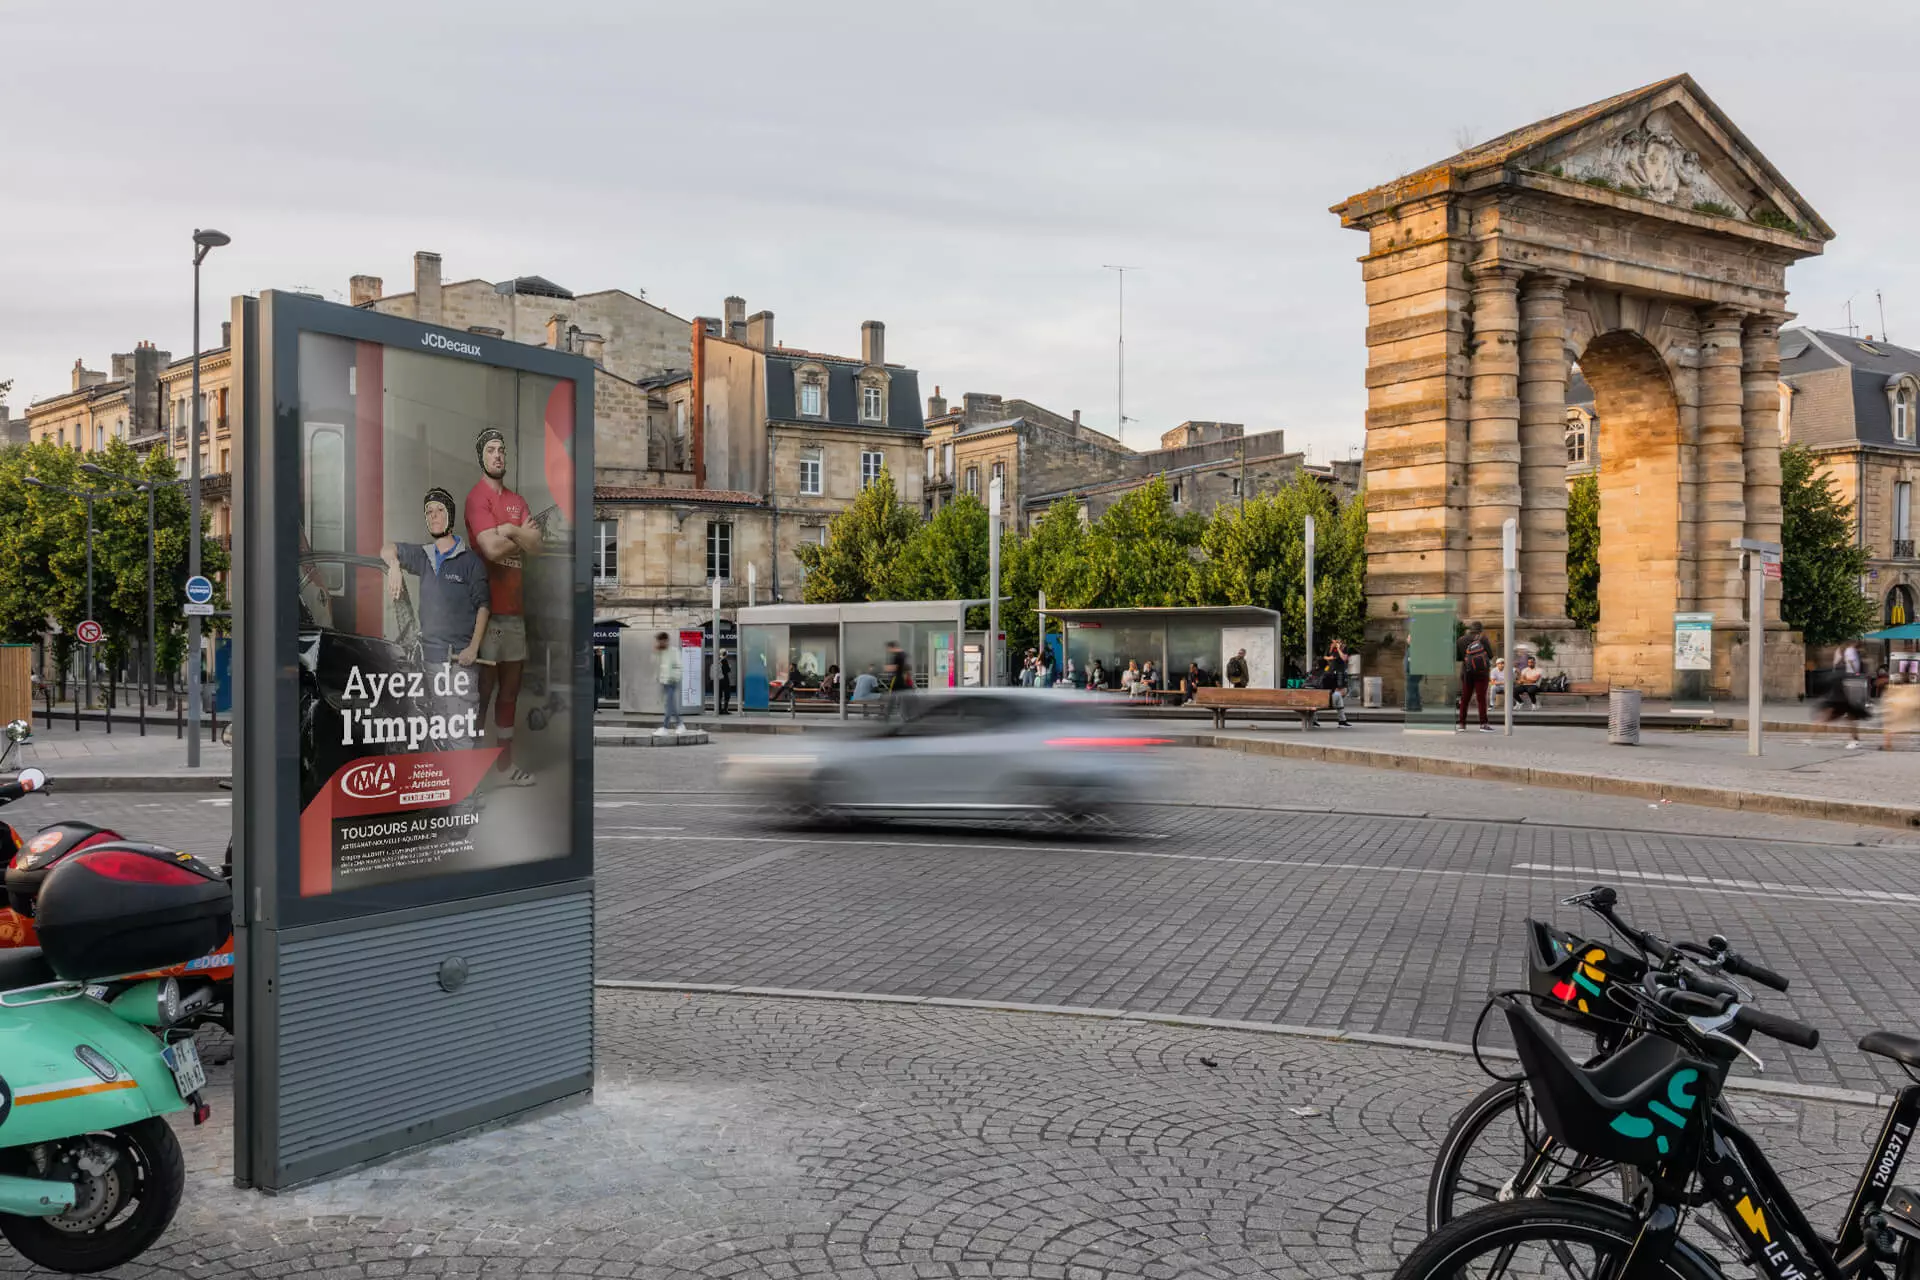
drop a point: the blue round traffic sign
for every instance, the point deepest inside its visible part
(199, 590)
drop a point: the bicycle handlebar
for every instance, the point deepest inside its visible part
(1772, 1024)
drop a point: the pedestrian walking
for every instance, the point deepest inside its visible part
(667, 672)
(1476, 664)
(1237, 670)
(1848, 695)
(726, 683)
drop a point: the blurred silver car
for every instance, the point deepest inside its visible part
(974, 755)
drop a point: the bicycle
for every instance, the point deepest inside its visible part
(1655, 1105)
(1570, 980)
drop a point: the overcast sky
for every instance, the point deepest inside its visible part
(959, 171)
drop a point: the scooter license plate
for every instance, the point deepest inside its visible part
(183, 1059)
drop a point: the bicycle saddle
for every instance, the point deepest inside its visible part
(1891, 1044)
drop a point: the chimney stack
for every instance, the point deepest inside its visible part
(426, 287)
(226, 333)
(936, 404)
(760, 330)
(978, 406)
(556, 340)
(1076, 417)
(594, 347)
(736, 319)
(364, 289)
(122, 366)
(873, 343)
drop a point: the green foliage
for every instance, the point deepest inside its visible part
(1583, 552)
(1543, 648)
(43, 548)
(1140, 554)
(863, 543)
(945, 558)
(1768, 215)
(1256, 555)
(1052, 557)
(1713, 207)
(1821, 565)
(1605, 184)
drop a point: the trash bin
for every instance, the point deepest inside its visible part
(1623, 717)
(1373, 691)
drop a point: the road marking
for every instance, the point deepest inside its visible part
(1532, 871)
(666, 804)
(1749, 886)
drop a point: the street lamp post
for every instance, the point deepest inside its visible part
(205, 241)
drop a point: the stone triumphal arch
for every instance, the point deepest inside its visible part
(1645, 238)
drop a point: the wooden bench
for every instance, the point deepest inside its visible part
(1585, 690)
(1307, 702)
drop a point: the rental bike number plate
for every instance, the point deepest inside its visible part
(183, 1059)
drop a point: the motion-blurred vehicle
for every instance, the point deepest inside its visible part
(972, 755)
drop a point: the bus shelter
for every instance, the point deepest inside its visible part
(789, 652)
(1173, 637)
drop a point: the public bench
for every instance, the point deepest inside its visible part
(1585, 690)
(1307, 702)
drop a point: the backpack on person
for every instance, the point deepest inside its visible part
(1478, 656)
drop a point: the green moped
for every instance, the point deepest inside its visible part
(90, 1170)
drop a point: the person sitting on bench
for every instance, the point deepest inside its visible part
(1526, 689)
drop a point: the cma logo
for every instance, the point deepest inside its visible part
(370, 781)
(440, 342)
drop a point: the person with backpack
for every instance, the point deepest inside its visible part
(1333, 678)
(1476, 666)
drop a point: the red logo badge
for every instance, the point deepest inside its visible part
(369, 781)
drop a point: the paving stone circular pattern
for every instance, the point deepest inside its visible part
(739, 1137)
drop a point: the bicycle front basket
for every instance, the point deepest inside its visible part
(1646, 1104)
(1569, 976)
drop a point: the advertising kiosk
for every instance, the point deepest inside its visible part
(414, 705)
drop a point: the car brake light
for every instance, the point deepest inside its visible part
(136, 868)
(1109, 742)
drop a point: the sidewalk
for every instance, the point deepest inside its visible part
(91, 759)
(736, 1137)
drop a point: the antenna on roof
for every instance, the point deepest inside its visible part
(1883, 315)
(1853, 330)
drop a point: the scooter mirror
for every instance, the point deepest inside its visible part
(31, 779)
(19, 730)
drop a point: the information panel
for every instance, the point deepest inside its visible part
(414, 697)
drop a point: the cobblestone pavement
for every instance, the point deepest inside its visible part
(734, 1138)
(1380, 924)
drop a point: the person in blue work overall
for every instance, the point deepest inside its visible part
(453, 595)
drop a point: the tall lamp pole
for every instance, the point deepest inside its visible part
(1120, 428)
(205, 241)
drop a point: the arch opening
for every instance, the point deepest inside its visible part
(1641, 584)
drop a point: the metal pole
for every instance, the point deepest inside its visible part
(193, 528)
(1510, 563)
(713, 659)
(148, 696)
(1756, 637)
(87, 650)
(753, 580)
(1307, 664)
(1043, 634)
(993, 583)
(1120, 427)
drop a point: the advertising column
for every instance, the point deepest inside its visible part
(415, 696)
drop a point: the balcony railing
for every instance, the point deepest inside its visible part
(1903, 548)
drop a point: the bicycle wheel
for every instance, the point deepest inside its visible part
(1497, 1151)
(1561, 1239)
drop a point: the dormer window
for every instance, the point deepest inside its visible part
(810, 398)
(1903, 398)
(873, 402)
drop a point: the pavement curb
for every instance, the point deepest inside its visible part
(1858, 812)
(1812, 1092)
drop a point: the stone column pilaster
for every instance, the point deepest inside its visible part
(1493, 432)
(1760, 422)
(1721, 450)
(1543, 450)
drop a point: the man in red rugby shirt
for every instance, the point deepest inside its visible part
(497, 527)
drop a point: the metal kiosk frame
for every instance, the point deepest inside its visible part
(375, 1019)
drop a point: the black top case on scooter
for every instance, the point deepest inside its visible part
(126, 907)
(39, 855)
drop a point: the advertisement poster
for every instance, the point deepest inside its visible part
(1693, 642)
(436, 615)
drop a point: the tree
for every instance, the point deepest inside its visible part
(863, 542)
(1256, 555)
(945, 558)
(1140, 554)
(1821, 565)
(1052, 557)
(1583, 551)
